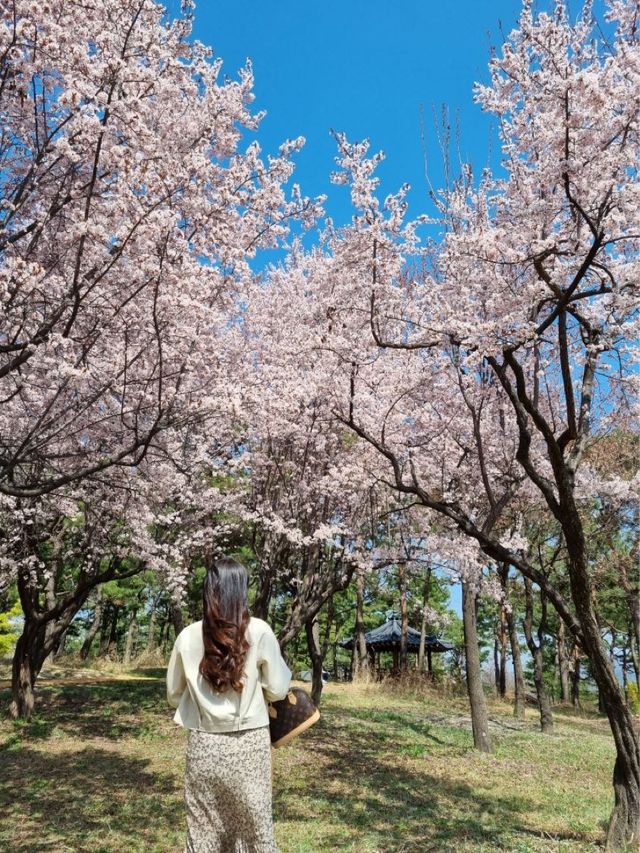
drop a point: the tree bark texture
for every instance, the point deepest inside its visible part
(477, 702)
(536, 649)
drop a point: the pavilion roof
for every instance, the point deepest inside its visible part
(386, 638)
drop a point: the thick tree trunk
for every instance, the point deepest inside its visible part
(536, 649)
(479, 717)
(95, 626)
(50, 603)
(360, 657)
(624, 826)
(39, 637)
(262, 600)
(518, 675)
(177, 619)
(312, 629)
(27, 663)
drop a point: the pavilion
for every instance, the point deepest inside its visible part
(386, 638)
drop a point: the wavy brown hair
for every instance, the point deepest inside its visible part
(224, 624)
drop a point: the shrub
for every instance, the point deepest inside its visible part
(9, 629)
(633, 693)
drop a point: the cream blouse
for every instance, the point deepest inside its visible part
(266, 676)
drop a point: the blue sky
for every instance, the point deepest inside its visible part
(367, 68)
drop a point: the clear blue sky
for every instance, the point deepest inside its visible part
(364, 67)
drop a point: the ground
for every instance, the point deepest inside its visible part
(99, 768)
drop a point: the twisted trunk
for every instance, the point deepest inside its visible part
(95, 626)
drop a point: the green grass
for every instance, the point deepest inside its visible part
(99, 768)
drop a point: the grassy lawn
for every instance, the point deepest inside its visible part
(99, 768)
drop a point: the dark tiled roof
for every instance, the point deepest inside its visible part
(386, 638)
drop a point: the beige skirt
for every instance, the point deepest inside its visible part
(228, 792)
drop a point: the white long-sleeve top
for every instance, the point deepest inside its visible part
(266, 676)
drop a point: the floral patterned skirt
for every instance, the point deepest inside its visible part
(228, 792)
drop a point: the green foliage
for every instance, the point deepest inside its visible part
(9, 629)
(634, 697)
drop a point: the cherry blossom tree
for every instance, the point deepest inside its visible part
(129, 215)
(532, 299)
(481, 367)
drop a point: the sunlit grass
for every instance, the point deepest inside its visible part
(99, 768)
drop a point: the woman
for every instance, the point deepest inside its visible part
(220, 672)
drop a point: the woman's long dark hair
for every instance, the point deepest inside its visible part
(224, 624)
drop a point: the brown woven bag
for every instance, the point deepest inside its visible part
(291, 716)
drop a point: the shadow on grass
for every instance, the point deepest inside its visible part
(400, 803)
(109, 710)
(87, 800)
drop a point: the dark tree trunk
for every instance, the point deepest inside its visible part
(518, 675)
(496, 665)
(60, 647)
(95, 626)
(27, 663)
(404, 618)
(44, 628)
(262, 600)
(40, 635)
(635, 659)
(320, 580)
(151, 636)
(624, 825)
(164, 634)
(536, 649)
(132, 630)
(360, 656)
(423, 622)
(563, 662)
(502, 684)
(479, 718)
(575, 678)
(312, 629)
(177, 619)
(50, 602)
(112, 643)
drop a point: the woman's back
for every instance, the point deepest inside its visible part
(221, 672)
(199, 706)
